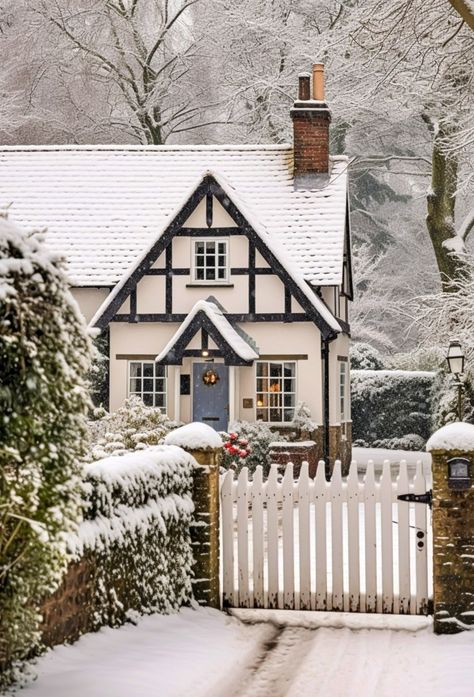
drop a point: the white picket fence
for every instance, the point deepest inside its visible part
(309, 544)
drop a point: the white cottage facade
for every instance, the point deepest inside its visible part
(222, 273)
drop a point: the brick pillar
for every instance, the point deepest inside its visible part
(453, 532)
(205, 445)
(205, 529)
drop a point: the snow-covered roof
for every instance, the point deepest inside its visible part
(223, 326)
(102, 205)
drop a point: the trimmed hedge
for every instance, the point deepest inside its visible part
(392, 408)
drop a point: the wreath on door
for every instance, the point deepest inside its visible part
(210, 377)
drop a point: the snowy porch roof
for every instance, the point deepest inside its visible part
(102, 205)
(208, 314)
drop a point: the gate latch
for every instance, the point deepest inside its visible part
(427, 497)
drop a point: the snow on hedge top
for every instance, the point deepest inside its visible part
(103, 205)
(223, 326)
(456, 436)
(195, 436)
(122, 469)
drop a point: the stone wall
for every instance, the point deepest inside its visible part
(453, 548)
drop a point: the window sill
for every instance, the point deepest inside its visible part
(208, 284)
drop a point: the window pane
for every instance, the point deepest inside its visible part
(159, 385)
(135, 386)
(160, 371)
(148, 400)
(290, 369)
(262, 369)
(275, 369)
(148, 370)
(159, 400)
(200, 274)
(221, 261)
(222, 247)
(221, 274)
(199, 248)
(275, 414)
(210, 246)
(262, 415)
(135, 370)
(289, 385)
(289, 400)
(288, 414)
(210, 274)
(200, 260)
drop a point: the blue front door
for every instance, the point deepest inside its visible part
(211, 394)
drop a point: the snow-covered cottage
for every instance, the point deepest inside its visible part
(223, 273)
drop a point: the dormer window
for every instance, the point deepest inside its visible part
(210, 261)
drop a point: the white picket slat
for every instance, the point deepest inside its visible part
(257, 499)
(227, 515)
(288, 540)
(304, 539)
(336, 494)
(353, 517)
(386, 497)
(273, 499)
(370, 539)
(243, 537)
(421, 542)
(320, 498)
(404, 567)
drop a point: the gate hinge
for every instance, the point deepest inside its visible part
(427, 497)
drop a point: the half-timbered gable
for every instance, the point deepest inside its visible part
(222, 273)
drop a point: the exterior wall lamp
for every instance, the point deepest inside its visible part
(455, 360)
(459, 473)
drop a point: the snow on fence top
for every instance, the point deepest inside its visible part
(456, 436)
(195, 436)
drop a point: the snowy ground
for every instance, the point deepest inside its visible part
(205, 653)
(379, 455)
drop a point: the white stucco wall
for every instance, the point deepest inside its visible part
(89, 300)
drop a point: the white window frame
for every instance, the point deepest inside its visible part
(155, 377)
(256, 377)
(216, 281)
(343, 393)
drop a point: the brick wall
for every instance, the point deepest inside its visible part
(311, 141)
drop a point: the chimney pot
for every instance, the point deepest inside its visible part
(304, 86)
(318, 82)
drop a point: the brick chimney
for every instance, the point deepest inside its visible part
(311, 118)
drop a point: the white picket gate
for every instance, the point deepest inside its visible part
(309, 544)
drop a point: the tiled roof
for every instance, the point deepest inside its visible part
(102, 205)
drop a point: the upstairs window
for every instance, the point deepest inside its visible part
(210, 261)
(147, 380)
(276, 391)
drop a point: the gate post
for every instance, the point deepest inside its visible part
(452, 450)
(205, 445)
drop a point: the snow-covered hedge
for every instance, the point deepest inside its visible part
(136, 528)
(392, 408)
(45, 355)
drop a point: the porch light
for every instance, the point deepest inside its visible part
(455, 358)
(204, 353)
(459, 473)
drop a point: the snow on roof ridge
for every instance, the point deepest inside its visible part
(223, 326)
(131, 147)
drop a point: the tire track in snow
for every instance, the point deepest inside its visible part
(278, 667)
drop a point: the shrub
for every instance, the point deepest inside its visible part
(44, 355)
(409, 442)
(389, 404)
(302, 421)
(132, 427)
(365, 357)
(136, 530)
(259, 436)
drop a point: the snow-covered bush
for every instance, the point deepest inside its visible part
(132, 427)
(391, 404)
(137, 529)
(44, 357)
(236, 450)
(409, 442)
(445, 400)
(302, 421)
(259, 436)
(363, 356)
